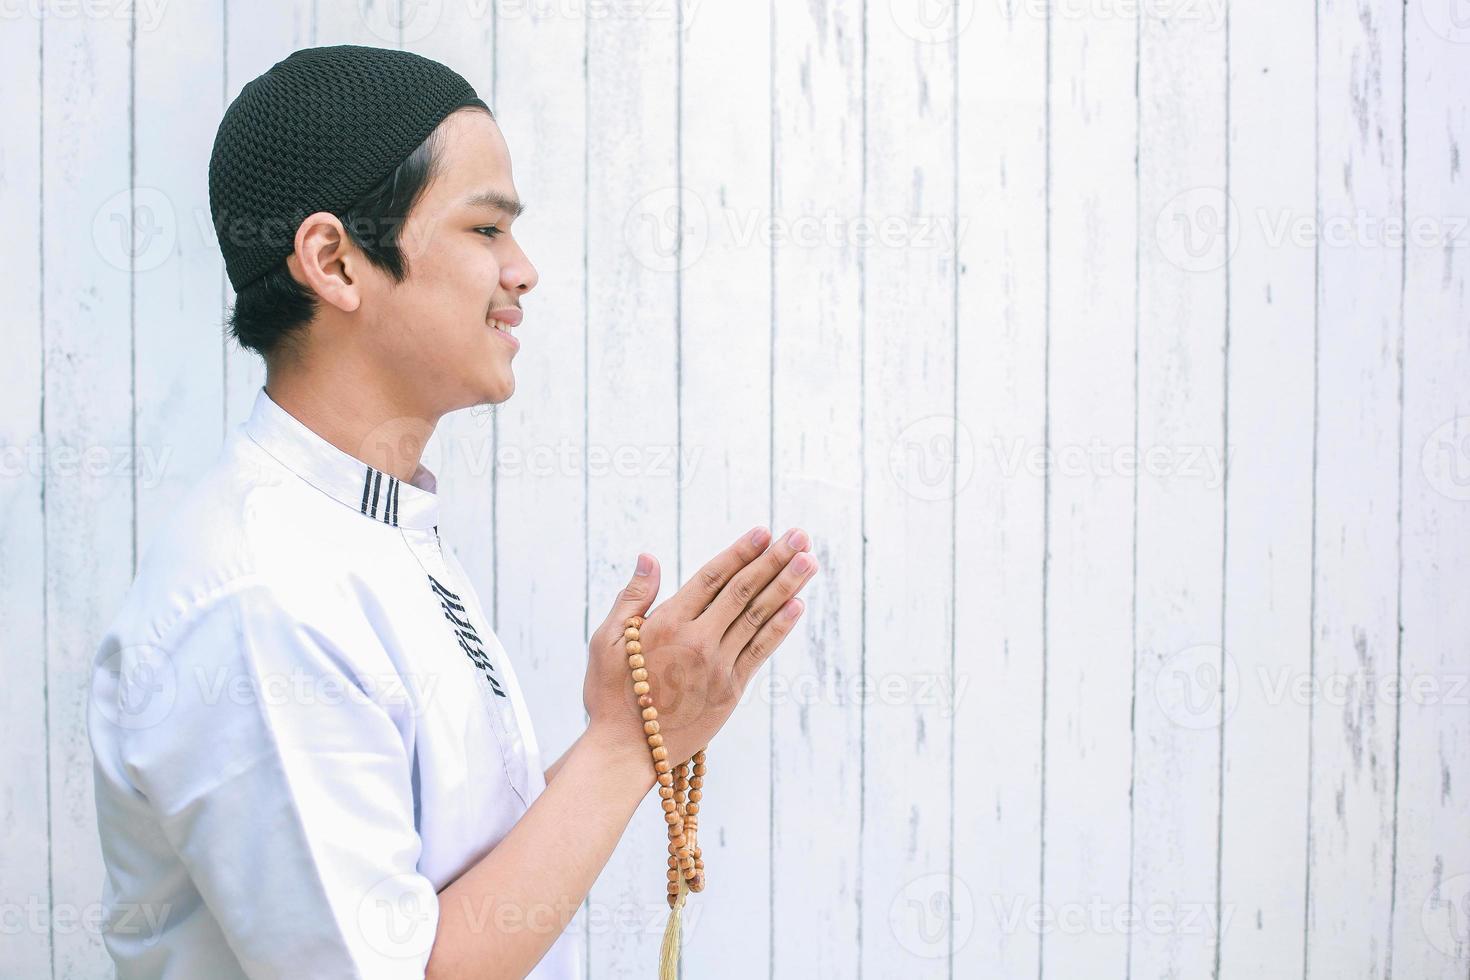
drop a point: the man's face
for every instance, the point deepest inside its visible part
(435, 328)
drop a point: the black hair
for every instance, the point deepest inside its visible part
(271, 313)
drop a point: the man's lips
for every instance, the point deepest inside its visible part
(508, 315)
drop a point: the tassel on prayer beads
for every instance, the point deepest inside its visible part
(680, 788)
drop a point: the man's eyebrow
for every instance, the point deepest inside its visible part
(497, 201)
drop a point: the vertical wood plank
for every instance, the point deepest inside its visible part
(1431, 927)
(1356, 546)
(1268, 577)
(632, 373)
(1180, 456)
(25, 857)
(175, 259)
(87, 107)
(908, 491)
(1000, 534)
(817, 477)
(725, 426)
(1091, 400)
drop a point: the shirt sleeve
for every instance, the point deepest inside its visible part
(280, 770)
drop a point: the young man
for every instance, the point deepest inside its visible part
(312, 758)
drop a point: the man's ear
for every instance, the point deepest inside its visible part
(327, 261)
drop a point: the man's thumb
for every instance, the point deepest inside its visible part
(638, 594)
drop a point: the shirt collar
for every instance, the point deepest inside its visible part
(371, 492)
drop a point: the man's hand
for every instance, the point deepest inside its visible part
(702, 645)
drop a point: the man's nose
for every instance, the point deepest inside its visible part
(518, 276)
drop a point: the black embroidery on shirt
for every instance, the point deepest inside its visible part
(464, 632)
(371, 489)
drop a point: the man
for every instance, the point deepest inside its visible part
(312, 757)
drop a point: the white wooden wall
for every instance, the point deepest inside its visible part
(1131, 714)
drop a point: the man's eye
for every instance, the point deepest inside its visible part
(490, 231)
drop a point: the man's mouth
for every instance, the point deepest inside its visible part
(506, 318)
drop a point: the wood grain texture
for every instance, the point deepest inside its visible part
(1431, 898)
(1268, 502)
(1356, 545)
(1000, 531)
(90, 510)
(816, 478)
(25, 803)
(1088, 630)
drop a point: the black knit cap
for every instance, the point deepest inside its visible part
(316, 132)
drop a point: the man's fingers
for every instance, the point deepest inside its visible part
(765, 642)
(798, 571)
(635, 597)
(749, 581)
(706, 583)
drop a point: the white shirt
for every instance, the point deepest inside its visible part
(302, 725)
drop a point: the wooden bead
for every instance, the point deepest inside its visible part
(664, 779)
(661, 766)
(650, 714)
(699, 769)
(640, 673)
(672, 817)
(630, 633)
(677, 842)
(635, 659)
(695, 795)
(635, 620)
(693, 808)
(645, 700)
(654, 741)
(670, 806)
(650, 727)
(667, 792)
(640, 687)
(660, 754)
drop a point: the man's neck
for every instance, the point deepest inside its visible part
(360, 420)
